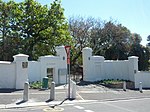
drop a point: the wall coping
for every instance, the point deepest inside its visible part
(5, 62)
(131, 57)
(87, 48)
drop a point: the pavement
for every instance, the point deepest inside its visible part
(85, 93)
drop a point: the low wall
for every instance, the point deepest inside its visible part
(116, 70)
(144, 77)
(7, 75)
(96, 68)
(34, 72)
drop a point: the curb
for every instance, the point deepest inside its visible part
(2, 106)
(28, 104)
(121, 99)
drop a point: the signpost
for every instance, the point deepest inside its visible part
(67, 48)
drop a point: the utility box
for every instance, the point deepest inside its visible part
(62, 76)
(45, 83)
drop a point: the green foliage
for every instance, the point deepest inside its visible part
(34, 29)
(148, 39)
(36, 85)
(117, 37)
(143, 53)
(108, 39)
(112, 81)
(6, 34)
(31, 28)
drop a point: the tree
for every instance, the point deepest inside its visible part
(32, 18)
(116, 41)
(105, 38)
(9, 38)
(109, 39)
(136, 49)
(148, 39)
(31, 28)
(82, 31)
(44, 28)
(4, 28)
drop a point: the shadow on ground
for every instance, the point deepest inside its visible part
(9, 90)
(86, 83)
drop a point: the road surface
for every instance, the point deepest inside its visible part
(131, 105)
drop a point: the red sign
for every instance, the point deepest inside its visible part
(67, 48)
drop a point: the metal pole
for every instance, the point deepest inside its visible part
(69, 81)
(67, 48)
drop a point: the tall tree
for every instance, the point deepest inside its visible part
(116, 40)
(142, 52)
(4, 28)
(148, 39)
(80, 31)
(41, 28)
(31, 21)
(9, 37)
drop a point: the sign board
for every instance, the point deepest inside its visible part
(67, 48)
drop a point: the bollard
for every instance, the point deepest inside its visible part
(73, 90)
(52, 91)
(26, 92)
(124, 86)
(140, 87)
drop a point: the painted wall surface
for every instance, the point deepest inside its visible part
(15, 74)
(21, 70)
(38, 69)
(116, 70)
(34, 71)
(143, 77)
(97, 68)
(7, 75)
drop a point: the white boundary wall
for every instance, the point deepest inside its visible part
(96, 68)
(116, 69)
(7, 75)
(14, 74)
(143, 77)
(38, 69)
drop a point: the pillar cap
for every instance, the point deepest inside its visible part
(87, 48)
(133, 57)
(21, 55)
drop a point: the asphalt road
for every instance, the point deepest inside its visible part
(131, 105)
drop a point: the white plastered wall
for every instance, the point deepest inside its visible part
(14, 74)
(21, 70)
(38, 69)
(96, 68)
(7, 75)
(144, 77)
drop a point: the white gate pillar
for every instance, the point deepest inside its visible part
(21, 70)
(133, 67)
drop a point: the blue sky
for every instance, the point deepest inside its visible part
(134, 14)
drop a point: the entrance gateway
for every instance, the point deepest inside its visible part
(21, 70)
(54, 67)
